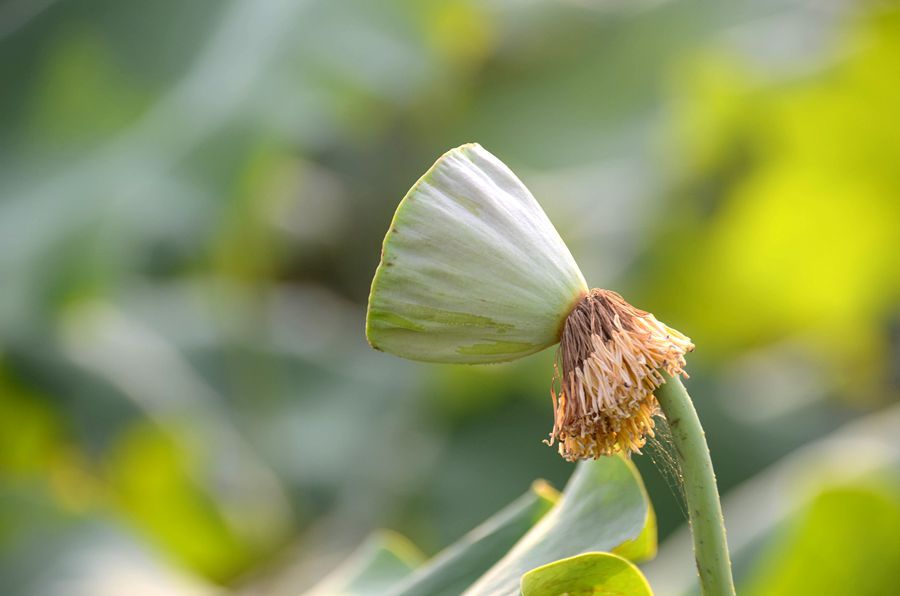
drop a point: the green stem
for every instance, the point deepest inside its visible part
(700, 492)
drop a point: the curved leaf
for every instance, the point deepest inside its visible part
(454, 569)
(590, 574)
(642, 548)
(603, 506)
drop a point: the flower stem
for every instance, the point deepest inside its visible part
(700, 492)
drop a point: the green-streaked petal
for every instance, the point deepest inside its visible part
(471, 270)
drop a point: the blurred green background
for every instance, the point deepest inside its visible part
(192, 201)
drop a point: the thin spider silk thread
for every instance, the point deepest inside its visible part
(662, 453)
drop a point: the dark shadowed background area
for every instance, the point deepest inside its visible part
(192, 201)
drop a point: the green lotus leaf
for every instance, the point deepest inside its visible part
(604, 507)
(471, 270)
(452, 570)
(590, 574)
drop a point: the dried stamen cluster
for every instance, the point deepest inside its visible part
(611, 355)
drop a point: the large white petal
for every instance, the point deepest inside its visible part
(471, 268)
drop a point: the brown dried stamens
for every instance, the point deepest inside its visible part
(611, 354)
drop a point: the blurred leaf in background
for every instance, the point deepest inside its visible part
(791, 194)
(381, 562)
(848, 535)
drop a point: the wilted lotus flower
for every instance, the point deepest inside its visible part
(472, 271)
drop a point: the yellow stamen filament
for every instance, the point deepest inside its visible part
(611, 356)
